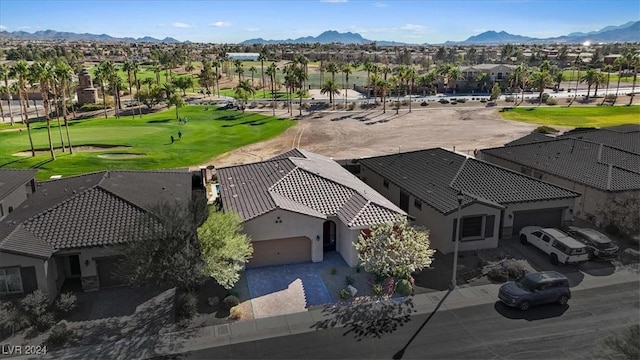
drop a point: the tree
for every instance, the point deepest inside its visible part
(622, 345)
(165, 249)
(20, 71)
(495, 92)
(346, 70)
(330, 87)
(262, 57)
(608, 69)
(151, 96)
(63, 75)
(5, 73)
(183, 83)
(44, 72)
(243, 91)
(272, 71)
(394, 249)
(619, 63)
(176, 100)
(239, 69)
(127, 66)
(590, 77)
(540, 79)
(634, 61)
(621, 212)
(225, 249)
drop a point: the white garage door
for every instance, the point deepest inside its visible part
(280, 251)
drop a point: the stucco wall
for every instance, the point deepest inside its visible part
(279, 224)
(346, 238)
(568, 205)
(89, 254)
(14, 199)
(40, 265)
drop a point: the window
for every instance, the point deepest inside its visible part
(10, 281)
(537, 234)
(385, 183)
(417, 203)
(560, 246)
(499, 76)
(546, 238)
(472, 227)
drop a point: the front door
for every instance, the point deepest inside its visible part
(329, 236)
(74, 265)
(404, 201)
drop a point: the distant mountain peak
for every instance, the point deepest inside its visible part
(71, 36)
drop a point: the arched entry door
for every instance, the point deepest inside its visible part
(329, 236)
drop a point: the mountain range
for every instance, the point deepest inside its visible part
(628, 32)
(70, 36)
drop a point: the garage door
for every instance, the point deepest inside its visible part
(543, 217)
(280, 251)
(107, 272)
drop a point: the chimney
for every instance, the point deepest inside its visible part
(609, 173)
(600, 152)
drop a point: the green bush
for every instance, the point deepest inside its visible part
(351, 106)
(552, 101)
(610, 98)
(509, 99)
(424, 103)
(345, 294)
(59, 335)
(483, 100)
(545, 97)
(12, 319)
(545, 130)
(498, 274)
(377, 289)
(35, 307)
(90, 107)
(348, 280)
(334, 271)
(462, 101)
(403, 287)
(66, 303)
(443, 101)
(186, 306)
(229, 302)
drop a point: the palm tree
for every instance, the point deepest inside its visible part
(590, 77)
(53, 86)
(634, 61)
(540, 79)
(272, 71)
(383, 86)
(330, 87)
(64, 75)
(127, 66)
(300, 77)
(262, 57)
(333, 69)
(5, 71)
(427, 80)
(110, 74)
(176, 100)
(239, 69)
(304, 63)
(33, 79)
(134, 69)
(101, 78)
(156, 70)
(216, 65)
(253, 71)
(20, 71)
(483, 77)
(346, 70)
(243, 91)
(578, 63)
(44, 71)
(455, 74)
(410, 75)
(619, 63)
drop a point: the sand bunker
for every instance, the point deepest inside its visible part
(81, 148)
(119, 156)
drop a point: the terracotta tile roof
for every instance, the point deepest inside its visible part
(435, 176)
(88, 210)
(302, 182)
(11, 179)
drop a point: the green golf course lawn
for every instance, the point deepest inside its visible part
(575, 116)
(128, 143)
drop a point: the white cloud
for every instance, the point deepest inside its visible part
(333, 1)
(2, 27)
(180, 25)
(221, 24)
(380, 4)
(412, 27)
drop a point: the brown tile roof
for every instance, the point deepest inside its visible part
(306, 183)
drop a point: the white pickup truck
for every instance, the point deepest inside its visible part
(561, 248)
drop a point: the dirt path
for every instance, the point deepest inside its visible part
(353, 134)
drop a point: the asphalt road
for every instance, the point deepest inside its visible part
(476, 332)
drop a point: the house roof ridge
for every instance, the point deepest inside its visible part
(360, 212)
(109, 192)
(59, 204)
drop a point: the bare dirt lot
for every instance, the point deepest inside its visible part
(358, 133)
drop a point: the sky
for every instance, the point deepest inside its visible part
(233, 21)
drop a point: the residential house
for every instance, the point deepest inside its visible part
(299, 205)
(496, 72)
(243, 56)
(599, 163)
(16, 185)
(495, 202)
(67, 228)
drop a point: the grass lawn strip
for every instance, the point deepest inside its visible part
(575, 116)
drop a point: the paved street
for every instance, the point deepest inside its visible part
(475, 332)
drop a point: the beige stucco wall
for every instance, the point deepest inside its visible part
(89, 253)
(346, 239)
(14, 199)
(567, 205)
(279, 224)
(42, 269)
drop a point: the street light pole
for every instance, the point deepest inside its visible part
(456, 240)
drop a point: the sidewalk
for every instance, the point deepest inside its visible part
(283, 325)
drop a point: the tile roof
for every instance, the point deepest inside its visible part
(529, 139)
(622, 137)
(585, 162)
(11, 179)
(306, 183)
(88, 210)
(435, 176)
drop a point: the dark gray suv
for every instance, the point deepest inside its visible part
(534, 289)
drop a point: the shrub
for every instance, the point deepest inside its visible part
(90, 107)
(12, 319)
(443, 101)
(545, 130)
(498, 274)
(358, 269)
(235, 313)
(404, 287)
(610, 98)
(424, 103)
(349, 280)
(35, 307)
(345, 294)
(59, 335)
(334, 271)
(545, 97)
(483, 100)
(377, 289)
(389, 286)
(229, 302)
(462, 101)
(186, 306)
(66, 303)
(514, 269)
(552, 101)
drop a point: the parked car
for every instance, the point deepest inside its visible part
(561, 248)
(534, 289)
(598, 244)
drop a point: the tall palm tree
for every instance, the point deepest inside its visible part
(20, 71)
(540, 79)
(243, 91)
(216, 65)
(32, 79)
(608, 69)
(330, 87)
(300, 76)
(127, 66)
(100, 76)
(346, 70)
(53, 89)
(619, 63)
(304, 64)
(271, 72)
(253, 71)
(590, 77)
(239, 69)
(135, 68)
(44, 71)
(5, 71)
(578, 64)
(410, 75)
(156, 70)
(427, 80)
(333, 68)
(111, 75)
(262, 57)
(382, 86)
(176, 100)
(634, 61)
(64, 75)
